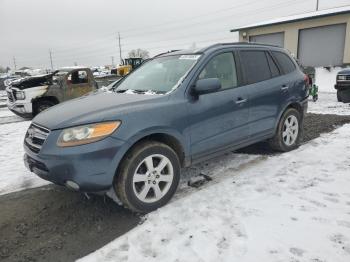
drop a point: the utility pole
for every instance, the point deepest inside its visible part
(112, 61)
(14, 62)
(317, 5)
(120, 49)
(51, 59)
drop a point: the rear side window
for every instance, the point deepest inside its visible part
(273, 67)
(223, 67)
(285, 62)
(256, 66)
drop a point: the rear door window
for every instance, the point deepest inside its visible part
(223, 67)
(255, 65)
(285, 62)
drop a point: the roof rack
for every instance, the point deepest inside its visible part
(167, 52)
(238, 43)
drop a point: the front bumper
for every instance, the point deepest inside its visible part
(342, 85)
(23, 108)
(92, 167)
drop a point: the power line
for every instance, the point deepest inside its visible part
(181, 27)
(101, 51)
(201, 23)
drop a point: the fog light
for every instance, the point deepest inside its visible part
(72, 185)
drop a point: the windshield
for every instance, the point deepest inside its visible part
(160, 75)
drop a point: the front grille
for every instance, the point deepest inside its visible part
(347, 78)
(10, 96)
(35, 137)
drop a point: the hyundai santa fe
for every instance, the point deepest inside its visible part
(177, 109)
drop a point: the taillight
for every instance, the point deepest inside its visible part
(306, 80)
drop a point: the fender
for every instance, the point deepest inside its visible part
(291, 101)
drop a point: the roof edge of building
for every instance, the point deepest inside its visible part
(289, 21)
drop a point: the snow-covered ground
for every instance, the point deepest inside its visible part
(290, 207)
(328, 104)
(326, 79)
(13, 174)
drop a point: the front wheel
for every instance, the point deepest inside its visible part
(339, 96)
(288, 133)
(41, 106)
(148, 176)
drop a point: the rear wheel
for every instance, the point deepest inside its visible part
(42, 105)
(148, 177)
(288, 133)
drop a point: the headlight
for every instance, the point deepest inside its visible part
(342, 77)
(20, 95)
(85, 134)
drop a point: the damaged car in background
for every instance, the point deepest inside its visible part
(29, 96)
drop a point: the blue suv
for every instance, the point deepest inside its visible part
(175, 110)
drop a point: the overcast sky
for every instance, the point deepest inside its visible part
(85, 31)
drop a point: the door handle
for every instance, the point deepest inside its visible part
(241, 101)
(284, 87)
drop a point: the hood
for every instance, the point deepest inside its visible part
(344, 71)
(93, 108)
(33, 81)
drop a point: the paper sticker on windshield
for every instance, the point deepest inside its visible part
(189, 57)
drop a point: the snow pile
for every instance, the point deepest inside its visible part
(326, 79)
(327, 103)
(291, 207)
(13, 174)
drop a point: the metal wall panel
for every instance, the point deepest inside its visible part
(271, 39)
(322, 46)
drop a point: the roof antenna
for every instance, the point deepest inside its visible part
(317, 5)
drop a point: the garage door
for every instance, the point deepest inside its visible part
(271, 39)
(322, 46)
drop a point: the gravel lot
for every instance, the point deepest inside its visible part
(53, 224)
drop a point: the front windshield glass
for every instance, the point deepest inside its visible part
(160, 75)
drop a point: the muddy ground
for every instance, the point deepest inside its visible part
(54, 224)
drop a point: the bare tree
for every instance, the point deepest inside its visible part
(139, 53)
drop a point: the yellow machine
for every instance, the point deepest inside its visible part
(128, 65)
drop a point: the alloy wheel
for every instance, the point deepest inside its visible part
(290, 130)
(153, 178)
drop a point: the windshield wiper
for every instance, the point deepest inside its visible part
(139, 91)
(132, 90)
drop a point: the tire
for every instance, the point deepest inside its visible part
(138, 178)
(42, 105)
(287, 138)
(339, 96)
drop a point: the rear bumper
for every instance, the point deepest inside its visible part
(92, 167)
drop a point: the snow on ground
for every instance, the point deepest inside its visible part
(328, 104)
(326, 79)
(290, 207)
(13, 174)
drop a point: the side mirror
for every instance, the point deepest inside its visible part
(206, 86)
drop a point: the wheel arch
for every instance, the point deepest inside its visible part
(170, 139)
(296, 105)
(37, 100)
